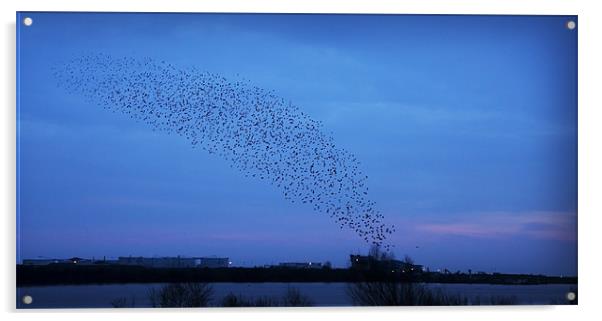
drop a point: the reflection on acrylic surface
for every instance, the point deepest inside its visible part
(266, 159)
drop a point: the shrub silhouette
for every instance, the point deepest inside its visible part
(399, 293)
(407, 293)
(291, 298)
(294, 298)
(181, 295)
(232, 300)
(120, 302)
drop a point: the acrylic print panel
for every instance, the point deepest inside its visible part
(224, 160)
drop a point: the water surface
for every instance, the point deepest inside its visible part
(321, 294)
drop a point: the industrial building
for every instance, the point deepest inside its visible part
(150, 262)
(214, 262)
(364, 262)
(73, 260)
(158, 262)
(40, 261)
(175, 262)
(301, 265)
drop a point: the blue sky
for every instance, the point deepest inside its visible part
(466, 126)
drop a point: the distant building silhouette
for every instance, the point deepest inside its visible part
(365, 262)
(158, 262)
(214, 262)
(150, 262)
(176, 262)
(41, 261)
(301, 265)
(361, 262)
(73, 260)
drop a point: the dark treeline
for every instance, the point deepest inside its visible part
(57, 274)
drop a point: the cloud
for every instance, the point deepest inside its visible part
(560, 226)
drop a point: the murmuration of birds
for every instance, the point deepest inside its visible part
(260, 134)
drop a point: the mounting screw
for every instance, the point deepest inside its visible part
(571, 25)
(571, 296)
(27, 299)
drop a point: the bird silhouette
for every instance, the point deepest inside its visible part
(258, 133)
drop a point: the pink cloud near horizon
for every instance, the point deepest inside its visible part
(560, 226)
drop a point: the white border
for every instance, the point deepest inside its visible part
(590, 158)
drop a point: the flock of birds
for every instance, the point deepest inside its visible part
(257, 132)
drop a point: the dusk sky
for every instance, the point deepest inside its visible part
(465, 125)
